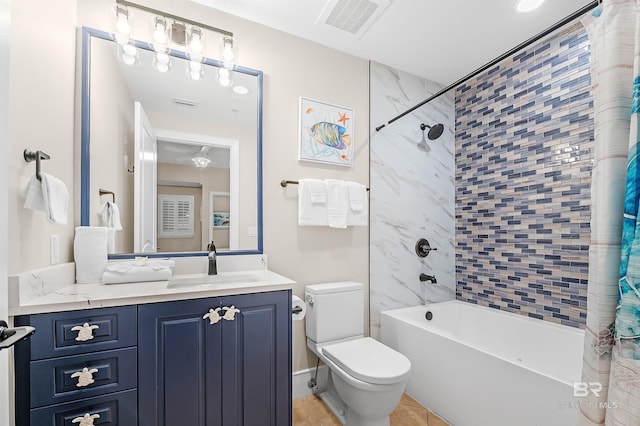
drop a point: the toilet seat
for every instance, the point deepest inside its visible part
(368, 360)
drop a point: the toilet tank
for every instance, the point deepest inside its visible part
(334, 311)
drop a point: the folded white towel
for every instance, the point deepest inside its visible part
(138, 270)
(90, 253)
(137, 274)
(337, 201)
(49, 195)
(111, 216)
(312, 211)
(358, 212)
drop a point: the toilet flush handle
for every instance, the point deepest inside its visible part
(309, 299)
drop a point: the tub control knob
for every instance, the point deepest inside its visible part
(423, 248)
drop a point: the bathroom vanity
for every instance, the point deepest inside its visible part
(210, 354)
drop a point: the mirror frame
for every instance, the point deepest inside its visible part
(85, 143)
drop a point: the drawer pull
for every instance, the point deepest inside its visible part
(86, 420)
(213, 315)
(85, 377)
(85, 331)
(231, 312)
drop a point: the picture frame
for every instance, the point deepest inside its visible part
(325, 133)
(221, 219)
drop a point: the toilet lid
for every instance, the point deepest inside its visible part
(368, 360)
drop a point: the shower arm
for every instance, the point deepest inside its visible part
(578, 13)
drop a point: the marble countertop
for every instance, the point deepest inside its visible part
(49, 291)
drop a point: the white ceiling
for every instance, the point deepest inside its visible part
(442, 40)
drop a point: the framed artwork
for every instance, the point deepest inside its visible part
(326, 133)
(220, 219)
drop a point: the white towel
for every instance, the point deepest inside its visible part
(312, 211)
(337, 202)
(358, 212)
(49, 195)
(90, 253)
(138, 270)
(111, 240)
(110, 214)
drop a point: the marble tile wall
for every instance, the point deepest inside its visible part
(412, 194)
(524, 136)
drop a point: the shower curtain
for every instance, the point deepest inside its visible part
(610, 387)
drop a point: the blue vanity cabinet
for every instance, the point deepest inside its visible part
(78, 366)
(219, 361)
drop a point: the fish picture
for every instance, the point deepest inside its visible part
(326, 133)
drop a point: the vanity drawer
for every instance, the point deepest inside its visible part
(115, 409)
(76, 332)
(56, 380)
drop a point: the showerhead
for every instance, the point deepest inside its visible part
(435, 131)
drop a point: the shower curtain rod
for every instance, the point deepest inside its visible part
(500, 58)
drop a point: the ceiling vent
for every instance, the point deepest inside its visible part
(185, 102)
(352, 16)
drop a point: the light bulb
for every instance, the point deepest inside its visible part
(162, 67)
(223, 73)
(162, 58)
(224, 82)
(195, 66)
(122, 39)
(195, 75)
(160, 36)
(122, 22)
(130, 50)
(228, 65)
(227, 52)
(196, 43)
(128, 59)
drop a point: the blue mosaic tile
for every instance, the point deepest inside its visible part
(524, 136)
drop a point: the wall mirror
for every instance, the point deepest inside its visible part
(179, 154)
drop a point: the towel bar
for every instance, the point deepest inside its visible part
(284, 183)
(30, 156)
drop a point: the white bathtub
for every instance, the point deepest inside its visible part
(477, 366)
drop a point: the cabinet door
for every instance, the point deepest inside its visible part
(256, 358)
(179, 364)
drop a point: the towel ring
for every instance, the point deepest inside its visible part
(105, 192)
(30, 156)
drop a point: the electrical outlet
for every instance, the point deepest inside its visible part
(55, 249)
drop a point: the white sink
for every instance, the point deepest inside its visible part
(206, 280)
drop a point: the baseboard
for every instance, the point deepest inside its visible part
(301, 379)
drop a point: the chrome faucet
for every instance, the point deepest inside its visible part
(213, 266)
(432, 278)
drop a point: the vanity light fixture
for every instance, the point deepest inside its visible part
(170, 31)
(201, 161)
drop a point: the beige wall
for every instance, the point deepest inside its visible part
(43, 117)
(111, 142)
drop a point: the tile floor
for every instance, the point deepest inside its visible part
(311, 411)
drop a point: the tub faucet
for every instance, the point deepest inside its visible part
(213, 266)
(432, 278)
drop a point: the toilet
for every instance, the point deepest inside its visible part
(366, 378)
